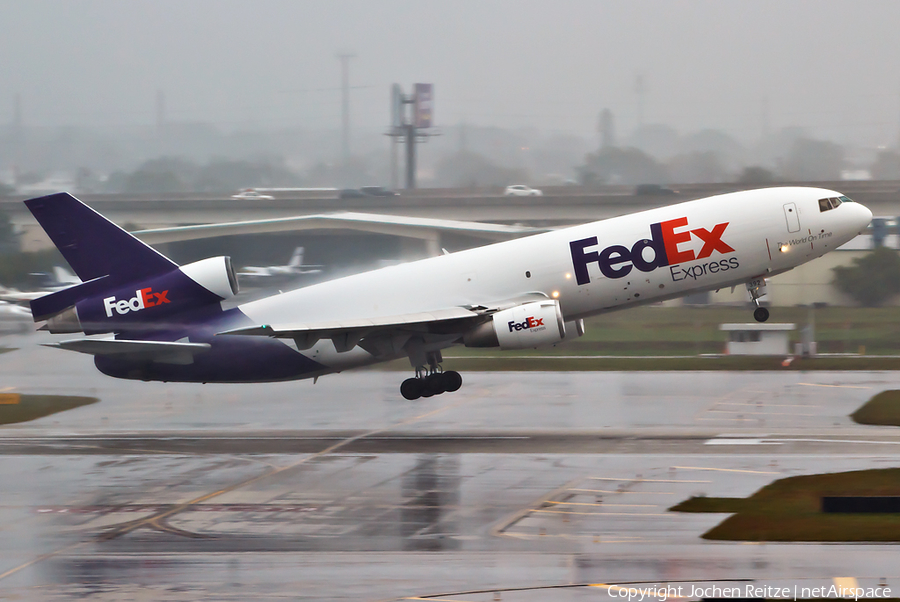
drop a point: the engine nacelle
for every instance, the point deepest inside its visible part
(522, 327)
(215, 274)
(148, 302)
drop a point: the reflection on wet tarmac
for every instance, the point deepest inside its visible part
(525, 480)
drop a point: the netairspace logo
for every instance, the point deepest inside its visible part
(662, 593)
(143, 298)
(617, 261)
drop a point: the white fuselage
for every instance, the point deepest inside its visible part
(709, 243)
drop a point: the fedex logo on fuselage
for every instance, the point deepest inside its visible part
(526, 324)
(143, 298)
(617, 261)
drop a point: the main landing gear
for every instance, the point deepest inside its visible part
(757, 288)
(431, 380)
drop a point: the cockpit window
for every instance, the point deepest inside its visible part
(844, 199)
(828, 204)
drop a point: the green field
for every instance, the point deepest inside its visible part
(883, 409)
(654, 330)
(688, 338)
(789, 510)
(22, 408)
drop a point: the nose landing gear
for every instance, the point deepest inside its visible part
(430, 380)
(757, 289)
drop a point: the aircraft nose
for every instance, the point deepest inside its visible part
(864, 217)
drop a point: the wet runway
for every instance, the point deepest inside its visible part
(342, 490)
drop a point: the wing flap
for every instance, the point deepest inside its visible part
(385, 335)
(328, 328)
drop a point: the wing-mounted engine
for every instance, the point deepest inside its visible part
(521, 327)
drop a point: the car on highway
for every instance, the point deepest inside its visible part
(378, 191)
(250, 194)
(653, 190)
(366, 191)
(521, 190)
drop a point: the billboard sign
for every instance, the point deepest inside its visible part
(424, 117)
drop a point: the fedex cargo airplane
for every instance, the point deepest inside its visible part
(168, 322)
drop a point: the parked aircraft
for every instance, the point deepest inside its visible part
(295, 267)
(169, 324)
(14, 318)
(61, 278)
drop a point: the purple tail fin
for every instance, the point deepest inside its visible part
(93, 245)
(102, 254)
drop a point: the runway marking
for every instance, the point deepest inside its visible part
(40, 558)
(834, 386)
(724, 469)
(633, 480)
(599, 513)
(771, 405)
(616, 491)
(153, 521)
(602, 504)
(156, 520)
(741, 412)
(739, 441)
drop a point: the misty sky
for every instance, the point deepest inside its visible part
(831, 66)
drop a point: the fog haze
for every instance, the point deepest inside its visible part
(742, 67)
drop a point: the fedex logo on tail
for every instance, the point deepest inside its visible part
(527, 323)
(142, 299)
(617, 261)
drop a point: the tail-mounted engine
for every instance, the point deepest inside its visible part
(139, 303)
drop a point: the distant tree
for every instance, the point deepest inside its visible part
(756, 175)
(622, 165)
(814, 160)
(163, 175)
(7, 234)
(696, 167)
(470, 170)
(872, 279)
(886, 166)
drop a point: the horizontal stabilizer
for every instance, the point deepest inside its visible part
(164, 352)
(51, 304)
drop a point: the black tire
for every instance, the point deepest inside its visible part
(452, 381)
(435, 384)
(761, 314)
(411, 389)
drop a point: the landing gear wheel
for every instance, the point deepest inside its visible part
(452, 381)
(411, 388)
(761, 314)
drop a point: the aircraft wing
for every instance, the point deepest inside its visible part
(388, 334)
(164, 352)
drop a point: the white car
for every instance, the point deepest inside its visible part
(252, 194)
(521, 190)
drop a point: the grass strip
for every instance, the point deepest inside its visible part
(883, 409)
(526, 363)
(790, 510)
(22, 408)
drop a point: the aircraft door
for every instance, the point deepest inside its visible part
(792, 217)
